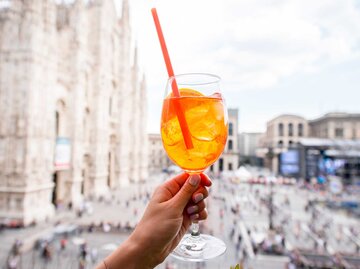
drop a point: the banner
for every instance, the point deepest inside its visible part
(62, 154)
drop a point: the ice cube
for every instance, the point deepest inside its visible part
(197, 113)
(205, 129)
(171, 132)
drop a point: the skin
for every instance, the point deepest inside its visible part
(168, 216)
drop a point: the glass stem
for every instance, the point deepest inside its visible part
(195, 229)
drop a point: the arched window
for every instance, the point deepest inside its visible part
(281, 129)
(60, 118)
(291, 144)
(230, 145)
(291, 129)
(280, 144)
(221, 164)
(230, 128)
(300, 129)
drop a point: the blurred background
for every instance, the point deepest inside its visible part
(81, 89)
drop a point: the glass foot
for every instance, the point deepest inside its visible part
(199, 248)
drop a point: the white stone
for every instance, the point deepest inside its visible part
(73, 61)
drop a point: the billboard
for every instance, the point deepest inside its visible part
(289, 163)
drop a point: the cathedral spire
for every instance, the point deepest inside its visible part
(143, 89)
(135, 62)
(125, 13)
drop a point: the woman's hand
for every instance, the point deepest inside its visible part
(167, 218)
(169, 214)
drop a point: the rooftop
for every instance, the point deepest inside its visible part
(337, 115)
(335, 143)
(286, 115)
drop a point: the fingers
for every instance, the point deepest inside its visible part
(205, 180)
(202, 215)
(192, 209)
(170, 188)
(174, 185)
(182, 198)
(197, 212)
(200, 194)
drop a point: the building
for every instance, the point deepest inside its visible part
(323, 158)
(282, 133)
(229, 160)
(336, 126)
(158, 159)
(69, 96)
(285, 131)
(249, 143)
(289, 143)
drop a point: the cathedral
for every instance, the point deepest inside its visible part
(72, 105)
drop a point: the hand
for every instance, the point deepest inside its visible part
(166, 220)
(168, 216)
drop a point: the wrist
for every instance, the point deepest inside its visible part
(131, 255)
(140, 245)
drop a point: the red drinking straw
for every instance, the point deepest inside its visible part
(179, 112)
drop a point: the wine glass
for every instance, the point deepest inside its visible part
(205, 114)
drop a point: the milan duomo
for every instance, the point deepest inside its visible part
(72, 105)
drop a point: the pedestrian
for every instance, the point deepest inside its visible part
(239, 238)
(79, 213)
(283, 241)
(63, 243)
(232, 233)
(46, 252)
(83, 251)
(16, 247)
(70, 206)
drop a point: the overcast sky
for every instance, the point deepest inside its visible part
(274, 56)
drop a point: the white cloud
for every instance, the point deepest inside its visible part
(250, 43)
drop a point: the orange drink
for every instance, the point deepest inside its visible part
(194, 133)
(207, 121)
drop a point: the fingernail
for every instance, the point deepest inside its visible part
(198, 197)
(194, 180)
(194, 217)
(192, 209)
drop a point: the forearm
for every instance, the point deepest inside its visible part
(129, 255)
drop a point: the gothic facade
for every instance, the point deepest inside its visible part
(72, 105)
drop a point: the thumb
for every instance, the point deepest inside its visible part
(184, 195)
